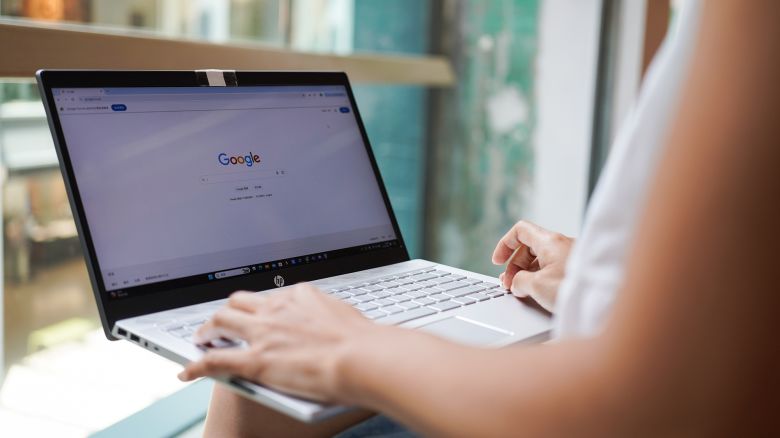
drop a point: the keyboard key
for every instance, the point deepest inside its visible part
(350, 301)
(380, 294)
(410, 287)
(365, 307)
(374, 314)
(472, 281)
(442, 307)
(400, 298)
(440, 297)
(371, 288)
(383, 302)
(363, 298)
(342, 295)
(463, 291)
(424, 301)
(479, 296)
(464, 300)
(408, 305)
(442, 280)
(387, 284)
(487, 285)
(396, 291)
(452, 285)
(417, 271)
(391, 310)
(431, 291)
(400, 318)
(416, 294)
(359, 291)
(423, 277)
(496, 292)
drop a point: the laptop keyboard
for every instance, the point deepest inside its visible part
(397, 298)
(415, 294)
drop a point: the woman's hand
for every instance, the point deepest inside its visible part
(297, 341)
(536, 262)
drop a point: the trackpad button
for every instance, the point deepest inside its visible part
(465, 331)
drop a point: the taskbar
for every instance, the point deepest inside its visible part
(257, 268)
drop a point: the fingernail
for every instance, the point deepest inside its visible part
(518, 293)
(182, 376)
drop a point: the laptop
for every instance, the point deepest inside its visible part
(189, 185)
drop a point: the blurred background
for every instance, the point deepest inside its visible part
(520, 132)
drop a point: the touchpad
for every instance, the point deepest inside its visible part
(465, 331)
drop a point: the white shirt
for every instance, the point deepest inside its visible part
(597, 264)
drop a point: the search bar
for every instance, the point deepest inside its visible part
(232, 273)
(251, 175)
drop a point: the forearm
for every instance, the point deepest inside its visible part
(541, 390)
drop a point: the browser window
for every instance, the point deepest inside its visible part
(181, 182)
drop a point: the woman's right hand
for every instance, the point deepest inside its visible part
(536, 262)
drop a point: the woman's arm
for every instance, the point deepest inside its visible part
(693, 344)
(691, 348)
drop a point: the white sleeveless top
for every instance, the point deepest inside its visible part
(597, 264)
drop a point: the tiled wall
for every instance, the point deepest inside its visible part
(395, 116)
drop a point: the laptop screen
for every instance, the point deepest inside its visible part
(198, 184)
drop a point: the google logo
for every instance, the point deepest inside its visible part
(249, 160)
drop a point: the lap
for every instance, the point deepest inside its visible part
(231, 415)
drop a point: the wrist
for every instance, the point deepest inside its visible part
(357, 363)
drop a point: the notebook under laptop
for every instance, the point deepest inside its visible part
(189, 185)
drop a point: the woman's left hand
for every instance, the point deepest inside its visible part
(298, 341)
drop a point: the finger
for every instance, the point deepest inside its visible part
(522, 284)
(509, 274)
(523, 232)
(228, 322)
(522, 257)
(246, 301)
(218, 362)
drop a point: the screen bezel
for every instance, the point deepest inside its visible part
(114, 310)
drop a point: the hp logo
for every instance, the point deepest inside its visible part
(279, 281)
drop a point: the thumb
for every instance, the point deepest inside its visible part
(523, 284)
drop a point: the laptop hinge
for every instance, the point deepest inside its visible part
(216, 78)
